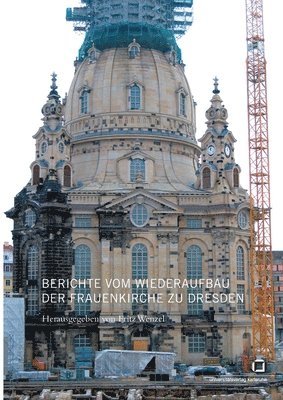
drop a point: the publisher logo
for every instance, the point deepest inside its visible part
(258, 365)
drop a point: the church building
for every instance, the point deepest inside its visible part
(133, 223)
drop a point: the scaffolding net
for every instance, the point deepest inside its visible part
(113, 363)
(115, 23)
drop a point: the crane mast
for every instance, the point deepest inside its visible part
(260, 219)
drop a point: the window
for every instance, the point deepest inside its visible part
(137, 168)
(206, 180)
(82, 300)
(194, 262)
(61, 147)
(134, 51)
(30, 217)
(194, 271)
(84, 101)
(140, 304)
(139, 261)
(135, 97)
(241, 305)
(82, 222)
(236, 177)
(8, 282)
(195, 303)
(196, 343)
(92, 55)
(82, 262)
(35, 175)
(43, 147)
(182, 103)
(139, 215)
(240, 263)
(32, 263)
(32, 300)
(243, 219)
(82, 271)
(82, 341)
(67, 176)
(194, 223)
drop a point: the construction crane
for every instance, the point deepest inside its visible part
(260, 219)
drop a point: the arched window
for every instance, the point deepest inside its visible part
(32, 263)
(82, 300)
(236, 177)
(84, 99)
(30, 217)
(82, 271)
(67, 176)
(32, 300)
(35, 174)
(134, 51)
(240, 263)
(194, 262)
(137, 169)
(135, 97)
(241, 305)
(92, 55)
(140, 299)
(182, 104)
(82, 262)
(206, 178)
(194, 272)
(139, 261)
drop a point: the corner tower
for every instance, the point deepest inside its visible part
(42, 239)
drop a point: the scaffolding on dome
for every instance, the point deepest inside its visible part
(114, 23)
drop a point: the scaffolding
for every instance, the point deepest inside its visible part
(115, 23)
(14, 334)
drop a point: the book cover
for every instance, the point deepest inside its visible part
(131, 238)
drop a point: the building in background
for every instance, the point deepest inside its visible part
(121, 188)
(278, 293)
(7, 267)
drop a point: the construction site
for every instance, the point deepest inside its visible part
(142, 268)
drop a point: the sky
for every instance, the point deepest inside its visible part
(36, 40)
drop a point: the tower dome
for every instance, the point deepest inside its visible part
(127, 95)
(115, 83)
(129, 102)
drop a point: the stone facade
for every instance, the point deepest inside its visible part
(119, 158)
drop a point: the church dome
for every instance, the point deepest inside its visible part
(130, 88)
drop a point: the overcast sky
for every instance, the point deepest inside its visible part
(36, 40)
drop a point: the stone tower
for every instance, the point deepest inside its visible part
(147, 203)
(42, 235)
